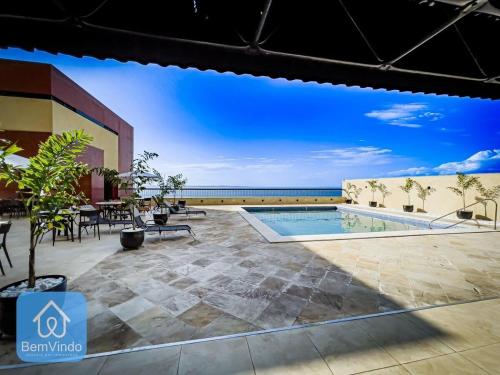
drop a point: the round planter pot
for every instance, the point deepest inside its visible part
(8, 304)
(464, 215)
(348, 201)
(160, 219)
(408, 208)
(131, 239)
(372, 204)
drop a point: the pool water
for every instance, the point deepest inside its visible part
(329, 220)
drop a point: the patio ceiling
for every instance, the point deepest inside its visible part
(444, 47)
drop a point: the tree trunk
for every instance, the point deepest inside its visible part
(31, 277)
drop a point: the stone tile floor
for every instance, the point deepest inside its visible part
(458, 339)
(230, 280)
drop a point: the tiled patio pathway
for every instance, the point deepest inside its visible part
(458, 339)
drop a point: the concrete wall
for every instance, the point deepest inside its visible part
(262, 200)
(440, 202)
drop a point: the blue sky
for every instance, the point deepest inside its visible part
(224, 129)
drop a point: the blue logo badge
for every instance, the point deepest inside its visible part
(51, 327)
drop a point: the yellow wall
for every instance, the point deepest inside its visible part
(261, 201)
(440, 202)
(65, 119)
(25, 114)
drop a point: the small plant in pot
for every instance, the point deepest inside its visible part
(373, 187)
(423, 193)
(176, 183)
(485, 194)
(464, 183)
(384, 192)
(51, 178)
(407, 187)
(164, 189)
(133, 238)
(351, 190)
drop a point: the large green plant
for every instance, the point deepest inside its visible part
(464, 183)
(407, 187)
(491, 193)
(52, 179)
(164, 188)
(373, 187)
(140, 175)
(177, 182)
(423, 193)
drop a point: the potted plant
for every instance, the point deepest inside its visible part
(177, 182)
(351, 189)
(373, 187)
(423, 193)
(464, 183)
(485, 194)
(407, 187)
(384, 192)
(163, 191)
(133, 238)
(52, 178)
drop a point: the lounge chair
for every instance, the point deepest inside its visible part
(183, 210)
(160, 228)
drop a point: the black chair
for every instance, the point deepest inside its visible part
(160, 228)
(88, 218)
(4, 229)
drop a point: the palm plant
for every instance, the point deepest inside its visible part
(52, 179)
(384, 192)
(423, 193)
(373, 187)
(352, 189)
(407, 187)
(491, 193)
(177, 182)
(464, 183)
(164, 188)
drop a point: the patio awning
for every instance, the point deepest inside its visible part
(444, 47)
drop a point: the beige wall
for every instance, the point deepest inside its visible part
(65, 119)
(25, 114)
(439, 202)
(262, 200)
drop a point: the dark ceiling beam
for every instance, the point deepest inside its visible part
(262, 23)
(467, 9)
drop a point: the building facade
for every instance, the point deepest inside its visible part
(37, 100)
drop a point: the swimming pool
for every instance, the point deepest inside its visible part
(279, 224)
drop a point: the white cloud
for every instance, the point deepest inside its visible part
(482, 161)
(405, 115)
(351, 156)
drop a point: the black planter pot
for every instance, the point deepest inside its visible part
(408, 208)
(348, 201)
(8, 304)
(131, 239)
(160, 219)
(464, 215)
(372, 204)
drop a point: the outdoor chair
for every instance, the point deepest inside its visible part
(118, 218)
(89, 218)
(4, 229)
(145, 205)
(183, 210)
(150, 226)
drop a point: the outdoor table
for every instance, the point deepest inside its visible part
(69, 215)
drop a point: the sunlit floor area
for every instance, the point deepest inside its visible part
(230, 280)
(459, 339)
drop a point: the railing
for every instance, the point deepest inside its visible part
(463, 221)
(201, 192)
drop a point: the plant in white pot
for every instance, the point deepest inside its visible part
(384, 192)
(139, 176)
(486, 194)
(407, 188)
(423, 193)
(464, 183)
(351, 190)
(52, 179)
(373, 187)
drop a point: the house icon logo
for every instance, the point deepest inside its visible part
(51, 321)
